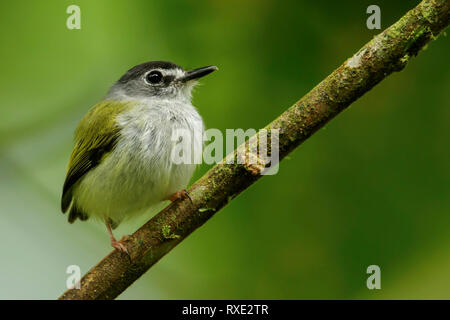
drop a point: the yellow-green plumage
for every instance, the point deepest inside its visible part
(95, 136)
(123, 160)
(121, 164)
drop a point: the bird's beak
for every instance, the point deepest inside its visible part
(198, 73)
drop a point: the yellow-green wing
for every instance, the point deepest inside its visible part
(95, 136)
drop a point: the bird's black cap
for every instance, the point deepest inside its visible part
(141, 69)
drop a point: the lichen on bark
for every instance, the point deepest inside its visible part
(388, 52)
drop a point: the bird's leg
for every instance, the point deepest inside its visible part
(114, 243)
(183, 194)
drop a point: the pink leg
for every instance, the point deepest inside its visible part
(114, 243)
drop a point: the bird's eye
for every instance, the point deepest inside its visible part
(154, 77)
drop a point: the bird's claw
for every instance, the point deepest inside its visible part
(120, 246)
(183, 194)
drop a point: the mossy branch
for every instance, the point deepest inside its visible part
(387, 52)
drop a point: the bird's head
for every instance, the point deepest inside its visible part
(157, 79)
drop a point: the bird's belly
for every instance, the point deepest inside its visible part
(137, 174)
(122, 186)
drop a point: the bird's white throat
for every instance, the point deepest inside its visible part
(140, 172)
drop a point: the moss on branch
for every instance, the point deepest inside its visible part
(388, 52)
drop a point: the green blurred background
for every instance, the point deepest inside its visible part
(370, 188)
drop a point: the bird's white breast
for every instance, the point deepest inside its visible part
(140, 170)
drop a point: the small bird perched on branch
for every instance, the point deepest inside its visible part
(121, 163)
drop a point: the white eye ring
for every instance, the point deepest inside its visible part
(153, 77)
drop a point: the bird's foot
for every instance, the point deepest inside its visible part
(183, 194)
(119, 245)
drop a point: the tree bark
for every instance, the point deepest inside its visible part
(387, 52)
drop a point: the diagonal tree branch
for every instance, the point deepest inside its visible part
(387, 52)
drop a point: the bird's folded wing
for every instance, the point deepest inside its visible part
(95, 136)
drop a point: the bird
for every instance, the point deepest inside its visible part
(122, 161)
